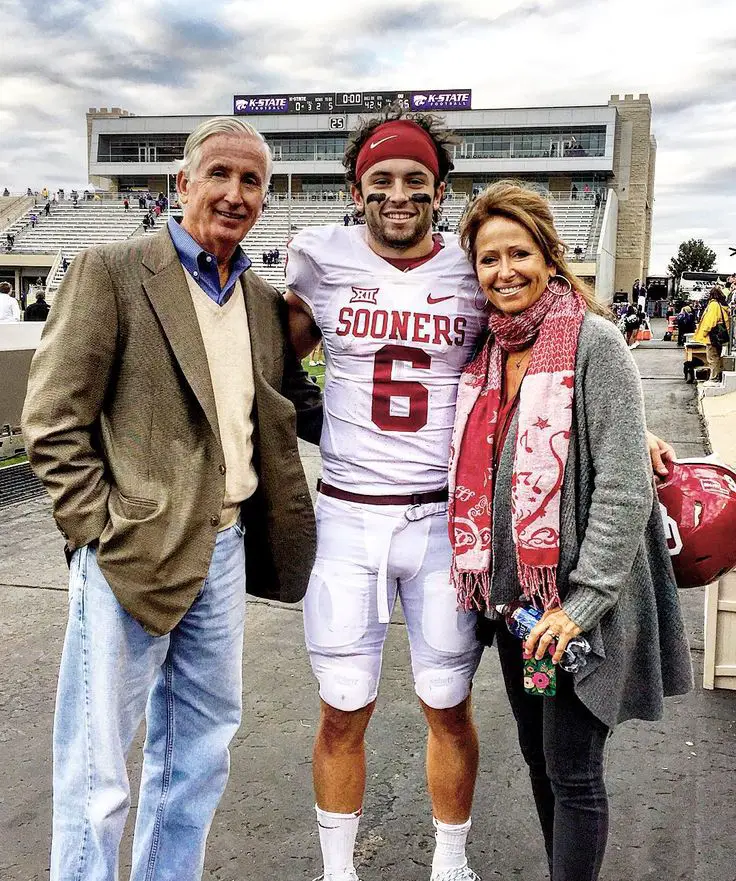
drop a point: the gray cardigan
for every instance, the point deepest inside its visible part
(615, 576)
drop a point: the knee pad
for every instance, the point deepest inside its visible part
(347, 688)
(441, 689)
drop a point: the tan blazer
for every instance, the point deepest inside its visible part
(120, 425)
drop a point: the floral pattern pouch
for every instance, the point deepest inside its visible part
(540, 677)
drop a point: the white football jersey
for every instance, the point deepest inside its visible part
(395, 344)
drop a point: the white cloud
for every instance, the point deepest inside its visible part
(161, 56)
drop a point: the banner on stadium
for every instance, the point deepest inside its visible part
(352, 102)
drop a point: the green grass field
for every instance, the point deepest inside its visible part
(16, 460)
(317, 372)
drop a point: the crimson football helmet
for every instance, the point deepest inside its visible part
(698, 507)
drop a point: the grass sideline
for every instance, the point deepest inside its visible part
(15, 460)
(317, 372)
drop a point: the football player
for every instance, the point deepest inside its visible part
(398, 310)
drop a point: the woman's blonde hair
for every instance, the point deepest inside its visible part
(511, 199)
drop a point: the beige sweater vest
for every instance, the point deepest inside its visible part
(227, 343)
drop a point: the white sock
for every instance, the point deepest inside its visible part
(337, 833)
(449, 851)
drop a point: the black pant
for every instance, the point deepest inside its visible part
(563, 744)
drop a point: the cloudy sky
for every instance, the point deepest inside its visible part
(60, 57)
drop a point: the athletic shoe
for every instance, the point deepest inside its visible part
(465, 873)
(351, 876)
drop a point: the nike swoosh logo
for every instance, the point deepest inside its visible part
(382, 141)
(432, 300)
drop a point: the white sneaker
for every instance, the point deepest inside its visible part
(711, 383)
(351, 876)
(464, 873)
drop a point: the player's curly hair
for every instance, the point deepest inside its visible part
(442, 138)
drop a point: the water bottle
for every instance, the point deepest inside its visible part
(520, 622)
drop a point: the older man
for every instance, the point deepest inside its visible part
(160, 416)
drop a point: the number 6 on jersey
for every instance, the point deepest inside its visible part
(385, 388)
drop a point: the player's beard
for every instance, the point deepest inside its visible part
(384, 233)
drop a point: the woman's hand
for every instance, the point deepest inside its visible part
(554, 625)
(661, 453)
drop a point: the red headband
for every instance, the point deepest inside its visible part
(400, 139)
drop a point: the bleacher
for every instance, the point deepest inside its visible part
(69, 230)
(281, 220)
(574, 222)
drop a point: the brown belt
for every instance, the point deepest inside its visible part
(437, 495)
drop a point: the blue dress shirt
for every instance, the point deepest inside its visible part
(202, 265)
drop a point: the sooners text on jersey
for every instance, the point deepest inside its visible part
(395, 344)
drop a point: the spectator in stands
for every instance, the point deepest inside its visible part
(54, 198)
(6, 192)
(39, 310)
(9, 309)
(146, 222)
(44, 193)
(346, 220)
(126, 203)
(9, 241)
(33, 217)
(64, 264)
(158, 545)
(597, 199)
(573, 192)
(47, 208)
(61, 194)
(141, 201)
(29, 192)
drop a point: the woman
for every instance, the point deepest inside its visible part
(713, 331)
(685, 324)
(551, 499)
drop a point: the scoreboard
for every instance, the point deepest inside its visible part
(351, 102)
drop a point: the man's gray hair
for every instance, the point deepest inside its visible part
(220, 125)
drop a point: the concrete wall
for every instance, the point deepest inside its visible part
(18, 342)
(605, 262)
(13, 207)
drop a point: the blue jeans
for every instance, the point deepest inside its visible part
(189, 685)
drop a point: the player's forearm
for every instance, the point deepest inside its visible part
(303, 332)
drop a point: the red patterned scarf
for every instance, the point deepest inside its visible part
(542, 442)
